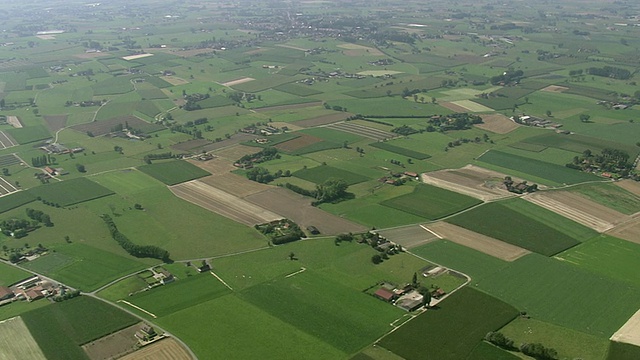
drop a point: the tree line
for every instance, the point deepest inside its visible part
(140, 251)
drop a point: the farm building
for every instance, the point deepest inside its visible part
(313, 230)
(384, 294)
(410, 301)
(5, 293)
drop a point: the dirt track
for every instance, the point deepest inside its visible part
(222, 203)
(578, 209)
(166, 349)
(629, 332)
(473, 240)
(470, 180)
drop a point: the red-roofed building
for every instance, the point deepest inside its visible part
(385, 294)
(33, 294)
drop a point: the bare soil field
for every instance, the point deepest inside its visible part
(629, 332)
(16, 341)
(234, 184)
(135, 57)
(174, 80)
(473, 240)
(629, 230)
(291, 126)
(6, 187)
(554, 88)
(298, 143)
(113, 346)
(409, 236)
(298, 208)
(359, 50)
(14, 121)
(578, 209)
(191, 144)
(238, 81)
(56, 122)
(220, 202)
(6, 141)
(215, 166)
(365, 131)
(497, 123)
(235, 152)
(235, 139)
(103, 127)
(288, 107)
(322, 120)
(453, 107)
(292, 47)
(165, 349)
(630, 185)
(470, 180)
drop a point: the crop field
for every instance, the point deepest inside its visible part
(497, 123)
(148, 108)
(552, 172)
(631, 186)
(523, 231)
(16, 342)
(410, 236)
(338, 137)
(614, 196)
(6, 187)
(11, 274)
(322, 120)
(25, 135)
(6, 141)
(179, 295)
(56, 122)
(470, 180)
(622, 351)
(299, 90)
(112, 86)
(173, 172)
(70, 192)
(113, 345)
(579, 143)
(61, 328)
(364, 131)
(103, 127)
(311, 307)
(568, 294)
(400, 150)
(234, 184)
(452, 330)
(320, 174)
(152, 94)
(485, 350)
(166, 349)
(431, 202)
(296, 143)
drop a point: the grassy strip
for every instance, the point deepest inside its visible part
(400, 150)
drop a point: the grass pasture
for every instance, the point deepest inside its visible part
(62, 327)
(431, 202)
(320, 174)
(70, 192)
(113, 86)
(15, 200)
(16, 341)
(10, 274)
(311, 305)
(622, 351)
(579, 143)
(611, 196)
(453, 329)
(400, 150)
(552, 172)
(29, 134)
(173, 172)
(296, 89)
(501, 222)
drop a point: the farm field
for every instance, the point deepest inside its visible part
(70, 192)
(15, 200)
(173, 172)
(409, 236)
(452, 330)
(323, 173)
(470, 180)
(16, 342)
(118, 343)
(439, 202)
(615, 196)
(166, 349)
(10, 275)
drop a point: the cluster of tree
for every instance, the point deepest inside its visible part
(39, 216)
(192, 101)
(199, 121)
(81, 168)
(609, 160)
(167, 155)
(507, 77)
(519, 188)
(448, 83)
(334, 107)
(266, 154)
(461, 141)
(384, 37)
(610, 71)
(498, 339)
(396, 162)
(404, 130)
(263, 176)
(281, 232)
(330, 191)
(42, 160)
(140, 251)
(67, 295)
(17, 227)
(47, 202)
(5, 172)
(458, 121)
(539, 351)
(195, 133)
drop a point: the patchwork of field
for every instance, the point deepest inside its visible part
(629, 333)
(363, 131)
(322, 120)
(223, 203)
(471, 180)
(113, 345)
(6, 141)
(16, 341)
(476, 241)
(103, 127)
(431, 202)
(298, 208)
(578, 209)
(173, 172)
(409, 236)
(165, 349)
(288, 107)
(497, 123)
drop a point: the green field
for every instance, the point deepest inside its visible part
(311, 307)
(486, 351)
(29, 134)
(70, 192)
(555, 173)
(560, 293)
(299, 90)
(173, 172)
(622, 351)
(320, 174)
(15, 200)
(453, 329)
(179, 295)
(610, 195)
(579, 143)
(11, 274)
(60, 328)
(501, 222)
(400, 150)
(16, 342)
(112, 86)
(431, 202)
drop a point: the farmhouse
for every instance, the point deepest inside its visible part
(410, 301)
(384, 294)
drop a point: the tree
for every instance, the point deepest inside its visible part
(414, 280)
(376, 259)
(292, 256)
(585, 118)
(548, 113)
(67, 238)
(81, 168)
(388, 92)
(426, 299)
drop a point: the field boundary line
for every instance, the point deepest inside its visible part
(139, 308)
(432, 232)
(302, 269)
(222, 281)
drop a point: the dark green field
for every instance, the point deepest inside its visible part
(70, 192)
(322, 173)
(622, 351)
(400, 150)
(173, 172)
(15, 200)
(431, 202)
(498, 221)
(453, 329)
(299, 90)
(579, 143)
(60, 328)
(29, 134)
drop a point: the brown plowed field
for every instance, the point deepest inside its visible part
(298, 208)
(215, 166)
(629, 230)
(453, 107)
(470, 180)
(578, 208)
(473, 240)
(554, 88)
(56, 122)
(222, 203)
(300, 142)
(409, 236)
(165, 349)
(630, 185)
(497, 123)
(235, 184)
(113, 346)
(323, 120)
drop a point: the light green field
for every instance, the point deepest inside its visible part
(16, 342)
(611, 196)
(11, 274)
